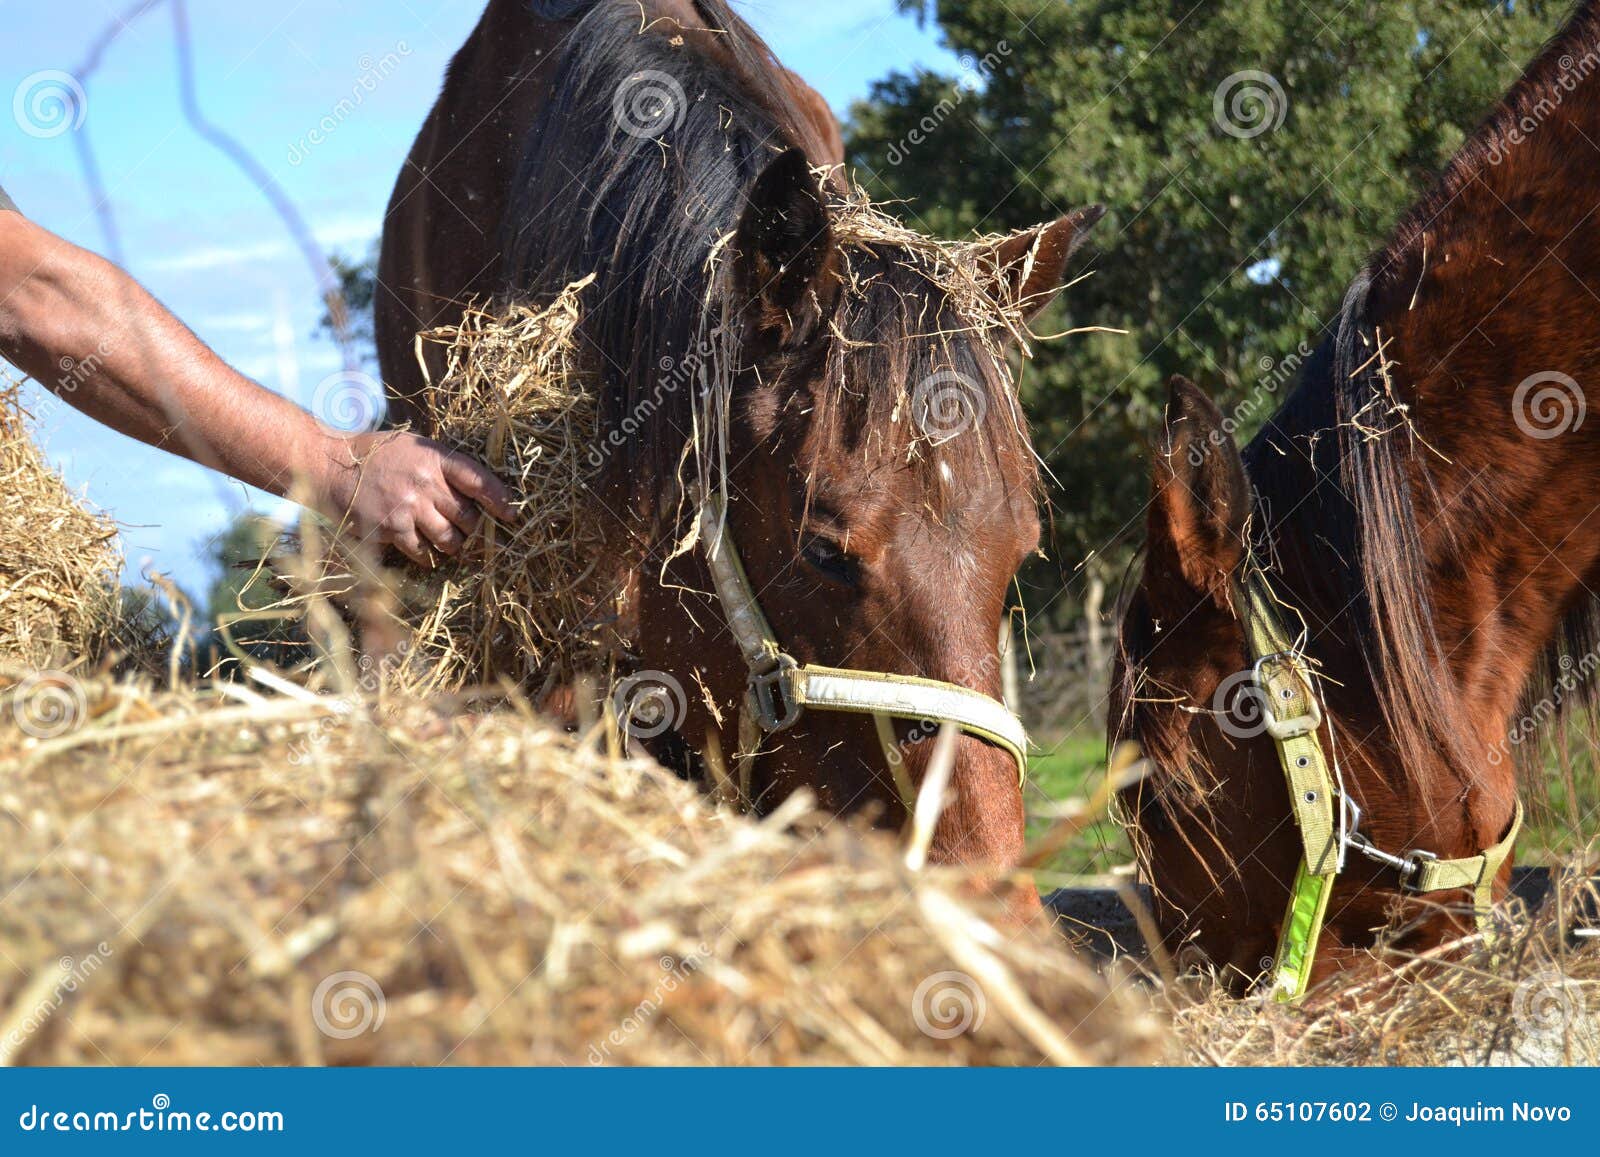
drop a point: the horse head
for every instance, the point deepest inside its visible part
(881, 494)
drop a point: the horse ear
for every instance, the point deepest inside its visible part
(785, 261)
(1200, 509)
(1028, 269)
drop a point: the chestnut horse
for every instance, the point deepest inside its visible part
(867, 544)
(1424, 507)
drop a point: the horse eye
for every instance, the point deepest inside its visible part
(830, 560)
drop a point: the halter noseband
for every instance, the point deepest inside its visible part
(779, 688)
(1327, 816)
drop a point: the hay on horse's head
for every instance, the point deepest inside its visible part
(547, 596)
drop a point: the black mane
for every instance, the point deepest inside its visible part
(647, 210)
(643, 210)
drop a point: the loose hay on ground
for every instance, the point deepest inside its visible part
(1533, 999)
(516, 897)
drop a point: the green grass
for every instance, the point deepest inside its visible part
(1074, 767)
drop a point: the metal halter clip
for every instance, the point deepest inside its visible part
(1303, 724)
(1408, 866)
(1349, 824)
(775, 705)
(1413, 869)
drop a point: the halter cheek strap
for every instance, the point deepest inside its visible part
(1328, 818)
(780, 689)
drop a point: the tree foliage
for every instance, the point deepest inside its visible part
(1251, 154)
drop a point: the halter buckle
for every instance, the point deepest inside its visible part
(1302, 724)
(774, 702)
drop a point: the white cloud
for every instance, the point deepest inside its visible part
(213, 257)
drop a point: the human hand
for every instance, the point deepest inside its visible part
(400, 489)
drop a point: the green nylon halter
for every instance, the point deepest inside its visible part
(1325, 814)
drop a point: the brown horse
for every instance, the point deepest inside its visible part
(442, 231)
(672, 161)
(1424, 506)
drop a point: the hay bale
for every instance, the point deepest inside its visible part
(59, 559)
(300, 879)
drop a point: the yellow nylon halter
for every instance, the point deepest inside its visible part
(779, 688)
(1328, 818)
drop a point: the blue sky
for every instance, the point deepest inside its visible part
(200, 236)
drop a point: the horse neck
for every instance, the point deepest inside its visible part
(1483, 310)
(1490, 295)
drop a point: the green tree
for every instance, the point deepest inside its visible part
(1251, 154)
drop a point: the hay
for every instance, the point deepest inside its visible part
(534, 602)
(222, 877)
(59, 560)
(1533, 1000)
(533, 599)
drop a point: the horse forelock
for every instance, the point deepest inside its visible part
(926, 384)
(652, 211)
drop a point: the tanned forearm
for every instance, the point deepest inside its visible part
(86, 330)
